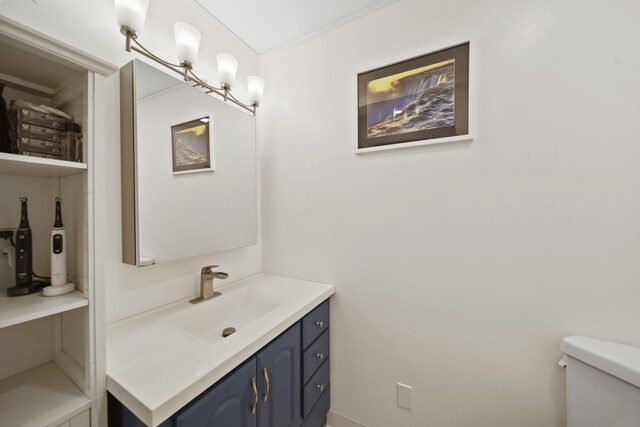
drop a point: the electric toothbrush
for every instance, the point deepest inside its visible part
(59, 285)
(25, 284)
(24, 248)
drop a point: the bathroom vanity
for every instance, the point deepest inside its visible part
(173, 367)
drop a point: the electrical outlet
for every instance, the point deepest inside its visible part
(405, 396)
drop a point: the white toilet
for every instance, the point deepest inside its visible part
(603, 383)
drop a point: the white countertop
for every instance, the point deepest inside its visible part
(619, 360)
(154, 367)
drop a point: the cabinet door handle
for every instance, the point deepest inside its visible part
(255, 396)
(320, 355)
(265, 372)
(320, 324)
(320, 387)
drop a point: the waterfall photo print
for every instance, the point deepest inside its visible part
(420, 99)
(191, 144)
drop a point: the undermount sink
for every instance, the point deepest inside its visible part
(237, 307)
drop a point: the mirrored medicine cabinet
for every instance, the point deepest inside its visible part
(188, 166)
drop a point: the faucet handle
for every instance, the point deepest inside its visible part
(208, 269)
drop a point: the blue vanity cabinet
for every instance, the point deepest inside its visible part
(315, 366)
(275, 371)
(279, 380)
(315, 323)
(120, 416)
(231, 403)
(318, 415)
(291, 378)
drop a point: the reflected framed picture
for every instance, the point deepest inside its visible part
(192, 146)
(418, 101)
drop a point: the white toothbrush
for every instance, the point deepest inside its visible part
(59, 285)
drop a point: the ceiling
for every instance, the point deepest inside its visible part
(267, 24)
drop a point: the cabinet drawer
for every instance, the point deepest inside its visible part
(315, 388)
(319, 412)
(314, 356)
(315, 323)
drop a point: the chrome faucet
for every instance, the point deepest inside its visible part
(207, 274)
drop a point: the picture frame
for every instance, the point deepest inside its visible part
(423, 100)
(192, 146)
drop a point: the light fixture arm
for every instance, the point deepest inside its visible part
(185, 70)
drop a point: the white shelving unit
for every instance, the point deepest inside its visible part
(53, 365)
(16, 310)
(40, 397)
(16, 164)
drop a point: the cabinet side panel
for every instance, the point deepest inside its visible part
(73, 335)
(73, 215)
(25, 346)
(81, 420)
(128, 165)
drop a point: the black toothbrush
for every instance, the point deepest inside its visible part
(25, 284)
(24, 249)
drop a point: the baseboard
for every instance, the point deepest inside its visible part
(335, 419)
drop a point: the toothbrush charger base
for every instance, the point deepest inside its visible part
(52, 291)
(31, 288)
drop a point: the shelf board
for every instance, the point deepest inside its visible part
(14, 310)
(16, 164)
(40, 397)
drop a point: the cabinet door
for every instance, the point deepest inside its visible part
(279, 373)
(228, 404)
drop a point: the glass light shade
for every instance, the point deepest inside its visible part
(131, 13)
(227, 67)
(255, 87)
(187, 42)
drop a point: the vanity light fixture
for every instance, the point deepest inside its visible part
(227, 67)
(255, 87)
(131, 15)
(187, 44)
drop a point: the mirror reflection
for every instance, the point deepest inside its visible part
(188, 169)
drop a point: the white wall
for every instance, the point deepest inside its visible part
(459, 268)
(90, 25)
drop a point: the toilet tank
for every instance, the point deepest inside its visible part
(603, 383)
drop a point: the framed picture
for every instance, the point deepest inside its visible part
(192, 146)
(418, 101)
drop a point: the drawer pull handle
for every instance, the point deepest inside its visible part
(266, 378)
(320, 356)
(254, 387)
(320, 387)
(320, 324)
